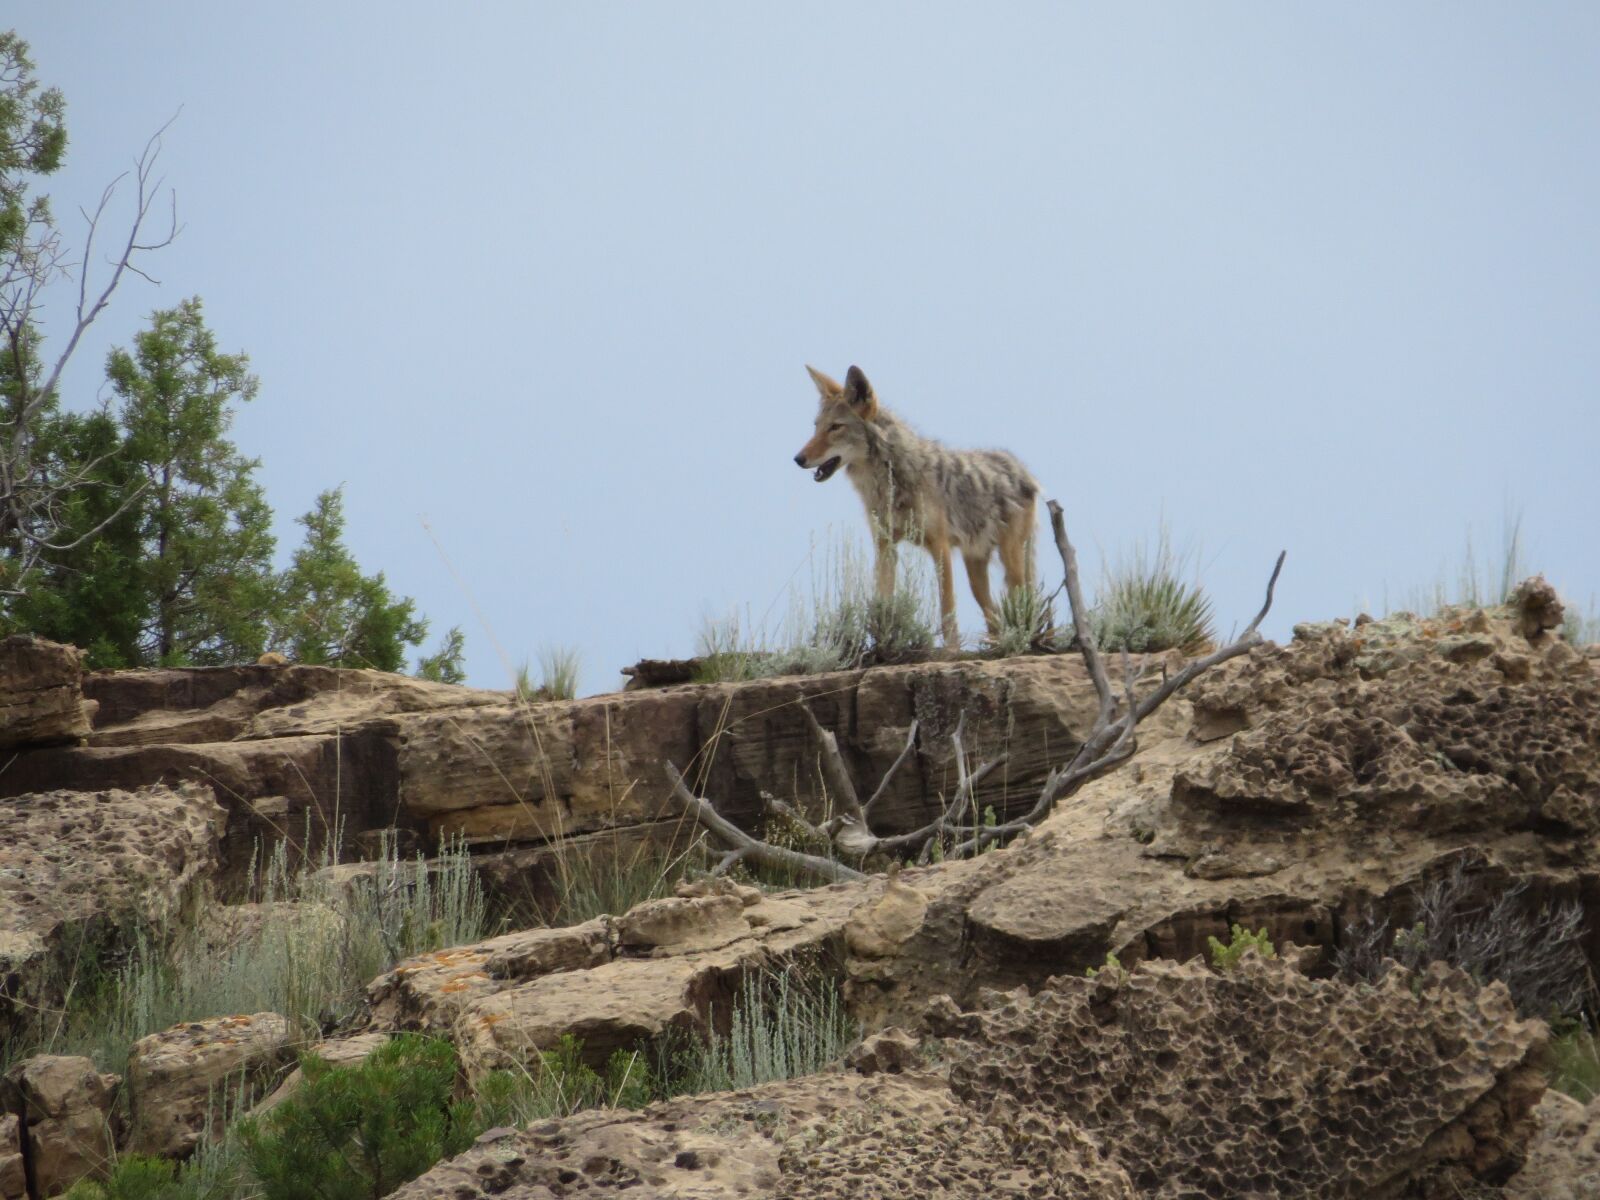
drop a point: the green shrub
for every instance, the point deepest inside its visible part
(1582, 628)
(839, 624)
(136, 1177)
(1476, 586)
(558, 676)
(359, 1132)
(1144, 606)
(1533, 945)
(1226, 957)
(727, 654)
(446, 664)
(559, 667)
(607, 881)
(899, 627)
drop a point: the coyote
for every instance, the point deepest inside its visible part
(917, 490)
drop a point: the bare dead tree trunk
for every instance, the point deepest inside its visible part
(1110, 741)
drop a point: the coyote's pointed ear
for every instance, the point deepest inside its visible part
(825, 386)
(860, 394)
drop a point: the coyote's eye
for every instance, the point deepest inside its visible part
(835, 427)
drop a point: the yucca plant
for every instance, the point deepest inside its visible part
(1026, 622)
(1145, 606)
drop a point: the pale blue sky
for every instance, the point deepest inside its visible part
(1306, 276)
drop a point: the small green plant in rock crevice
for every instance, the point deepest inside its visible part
(1226, 957)
(1113, 964)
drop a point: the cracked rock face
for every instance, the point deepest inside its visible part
(1167, 1081)
(670, 964)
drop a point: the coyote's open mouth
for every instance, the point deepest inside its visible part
(826, 470)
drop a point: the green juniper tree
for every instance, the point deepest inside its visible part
(204, 526)
(329, 612)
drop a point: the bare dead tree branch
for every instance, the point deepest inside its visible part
(883, 784)
(1111, 740)
(748, 847)
(32, 492)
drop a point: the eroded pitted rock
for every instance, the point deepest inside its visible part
(1474, 721)
(1313, 672)
(839, 1135)
(1260, 1082)
(1564, 1159)
(178, 1079)
(74, 865)
(1167, 1081)
(1408, 753)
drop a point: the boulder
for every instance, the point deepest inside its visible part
(13, 1173)
(64, 1109)
(75, 866)
(181, 1081)
(1293, 789)
(41, 693)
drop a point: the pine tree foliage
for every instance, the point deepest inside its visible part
(332, 614)
(358, 1133)
(445, 664)
(33, 138)
(203, 521)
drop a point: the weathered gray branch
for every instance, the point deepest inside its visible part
(748, 847)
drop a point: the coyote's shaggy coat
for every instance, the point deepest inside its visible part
(916, 490)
